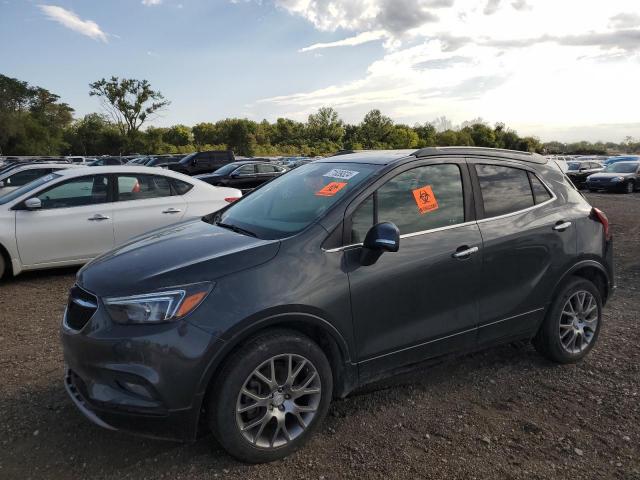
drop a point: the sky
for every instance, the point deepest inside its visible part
(563, 70)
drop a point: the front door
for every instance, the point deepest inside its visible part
(75, 223)
(421, 301)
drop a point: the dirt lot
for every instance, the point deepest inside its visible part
(502, 413)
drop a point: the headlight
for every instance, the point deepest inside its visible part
(157, 307)
(617, 179)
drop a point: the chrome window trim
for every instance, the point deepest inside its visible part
(466, 224)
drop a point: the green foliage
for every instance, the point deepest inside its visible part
(129, 102)
(33, 121)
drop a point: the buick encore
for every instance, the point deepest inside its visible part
(247, 322)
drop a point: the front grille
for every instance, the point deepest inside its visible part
(81, 307)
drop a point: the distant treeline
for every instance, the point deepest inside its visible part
(33, 121)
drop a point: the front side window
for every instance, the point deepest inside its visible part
(420, 199)
(246, 170)
(504, 189)
(142, 187)
(264, 168)
(78, 192)
(290, 203)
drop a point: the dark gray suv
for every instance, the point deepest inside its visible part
(249, 321)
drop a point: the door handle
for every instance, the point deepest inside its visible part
(561, 226)
(97, 217)
(172, 210)
(467, 252)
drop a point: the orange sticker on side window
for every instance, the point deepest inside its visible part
(425, 199)
(330, 189)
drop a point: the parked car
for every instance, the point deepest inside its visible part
(618, 176)
(243, 175)
(340, 272)
(71, 216)
(578, 171)
(105, 161)
(14, 178)
(203, 162)
(163, 162)
(79, 160)
(622, 158)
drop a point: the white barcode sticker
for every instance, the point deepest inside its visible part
(341, 174)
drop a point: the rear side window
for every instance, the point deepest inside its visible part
(181, 187)
(423, 198)
(264, 168)
(540, 192)
(504, 189)
(142, 187)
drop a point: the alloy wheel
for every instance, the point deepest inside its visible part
(578, 321)
(278, 401)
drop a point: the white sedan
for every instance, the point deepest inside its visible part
(71, 216)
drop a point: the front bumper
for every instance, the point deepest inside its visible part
(606, 185)
(141, 379)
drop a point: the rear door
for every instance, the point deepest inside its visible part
(144, 202)
(421, 301)
(74, 224)
(529, 242)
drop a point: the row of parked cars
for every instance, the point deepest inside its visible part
(59, 212)
(620, 173)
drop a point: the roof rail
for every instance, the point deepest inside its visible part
(482, 151)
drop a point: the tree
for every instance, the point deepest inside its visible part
(205, 133)
(129, 102)
(403, 136)
(375, 130)
(325, 126)
(93, 135)
(178, 135)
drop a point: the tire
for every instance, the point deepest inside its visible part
(3, 267)
(558, 327)
(629, 187)
(300, 414)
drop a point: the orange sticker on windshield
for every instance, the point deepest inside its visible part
(330, 189)
(425, 199)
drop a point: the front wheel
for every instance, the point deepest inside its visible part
(572, 323)
(2, 266)
(629, 187)
(270, 396)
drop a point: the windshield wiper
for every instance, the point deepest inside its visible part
(235, 228)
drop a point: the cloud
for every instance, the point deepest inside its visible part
(440, 63)
(628, 40)
(491, 7)
(625, 20)
(150, 3)
(393, 16)
(359, 39)
(72, 21)
(521, 5)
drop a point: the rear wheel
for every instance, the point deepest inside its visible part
(270, 396)
(2, 266)
(572, 324)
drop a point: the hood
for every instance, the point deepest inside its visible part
(189, 252)
(610, 175)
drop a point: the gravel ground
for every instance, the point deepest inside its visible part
(501, 413)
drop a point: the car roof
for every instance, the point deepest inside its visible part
(124, 169)
(385, 157)
(28, 166)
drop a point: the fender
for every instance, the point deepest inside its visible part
(262, 320)
(586, 263)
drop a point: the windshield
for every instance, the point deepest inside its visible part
(291, 202)
(27, 188)
(621, 168)
(228, 168)
(573, 165)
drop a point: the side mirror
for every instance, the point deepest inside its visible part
(33, 203)
(383, 237)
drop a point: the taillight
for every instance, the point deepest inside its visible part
(602, 218)
(231, 199)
